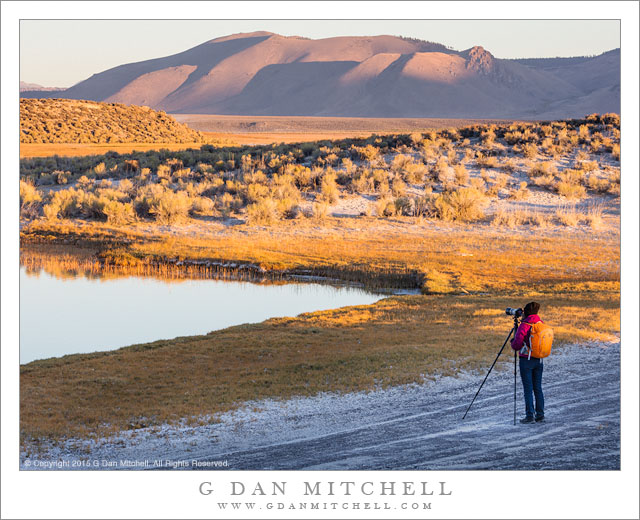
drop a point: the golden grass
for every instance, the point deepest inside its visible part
(388, 253)
(395, 341)
(28, 150)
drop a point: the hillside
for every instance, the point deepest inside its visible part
(33, 87)
(381, 76)
(71, 121)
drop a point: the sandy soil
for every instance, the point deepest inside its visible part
(415, 427)
(320, 125)
(78, 150)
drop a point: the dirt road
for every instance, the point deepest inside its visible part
(417, 427)
(424, 430)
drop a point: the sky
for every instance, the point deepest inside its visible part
(61, 53)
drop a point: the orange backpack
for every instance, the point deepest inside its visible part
(540, 340)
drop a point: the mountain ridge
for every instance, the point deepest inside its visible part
(263, 73)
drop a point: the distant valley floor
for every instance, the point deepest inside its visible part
(321, 125)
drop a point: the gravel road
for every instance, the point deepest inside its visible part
(415, 427)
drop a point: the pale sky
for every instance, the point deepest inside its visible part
(61, 53)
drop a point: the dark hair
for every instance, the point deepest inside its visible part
(531, 308)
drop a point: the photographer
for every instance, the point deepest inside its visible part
(530, 367)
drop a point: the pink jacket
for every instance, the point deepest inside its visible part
(522, 334)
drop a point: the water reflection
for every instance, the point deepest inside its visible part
(71, 310)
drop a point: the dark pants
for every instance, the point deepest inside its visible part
(531, 373)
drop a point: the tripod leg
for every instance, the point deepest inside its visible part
(515, 363)
(490, 369)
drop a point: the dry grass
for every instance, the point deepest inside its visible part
(398, 340)
(28, 150)
(515, 218)
(594, 216)
(372, 251)
(569, 216)
(571, 190)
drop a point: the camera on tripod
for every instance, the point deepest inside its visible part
(514, 312)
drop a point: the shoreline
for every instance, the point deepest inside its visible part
(254, 435)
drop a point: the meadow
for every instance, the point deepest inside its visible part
(453, 212)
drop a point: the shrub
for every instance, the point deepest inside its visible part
(414, 173)
(255, 192)
(50, 211)
(581, 156)
(29, 193)
(227, 204)
(615, 151)
(614, 189)
(548, 181)
(424, 206)
(439, 170)
(542, 169)
(483, 161)
(589, 166)
(404, 206)
(597, 184)
(498, 184)
(463, 205)
(385, 207)
(509, 165)
(203, 206)
(170, 207)
(461, 174)
(452, 156)
(479, 185)
(398, 187)
(530, 150)
(118, 212)
(329, 192)
(368, 153)
(570, 190)
(399, 162)
(84, 183)
(146, 197)
(522, 193)
(363, 183)
(263, 212)
(319, 210)
(61, 177)
(30, 210)
(348, 166)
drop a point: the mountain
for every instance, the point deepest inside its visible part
(263, 73)
(29, 87)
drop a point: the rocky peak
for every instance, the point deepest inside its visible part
(479, 60)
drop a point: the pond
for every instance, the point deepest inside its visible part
(70, 315)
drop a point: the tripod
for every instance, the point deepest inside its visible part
(515, 360)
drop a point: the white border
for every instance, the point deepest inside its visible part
(175, 495)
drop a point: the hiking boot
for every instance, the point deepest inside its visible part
(540, 418)
(527, 420)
